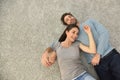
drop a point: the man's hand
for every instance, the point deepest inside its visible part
(95, 60)
(45, 59)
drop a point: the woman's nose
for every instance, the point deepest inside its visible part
(76, 36)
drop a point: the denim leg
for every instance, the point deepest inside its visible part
(103, 73)
(85, 76)
(109, 67)
(103, 70)
(115, 66)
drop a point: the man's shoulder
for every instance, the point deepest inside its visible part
(87, 22)
(90, 20)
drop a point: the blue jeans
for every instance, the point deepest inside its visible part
(109, 66)
(85, 76)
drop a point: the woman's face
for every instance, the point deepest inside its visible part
(69, 19)
(72, 34)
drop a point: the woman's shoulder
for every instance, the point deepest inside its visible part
(76, 43)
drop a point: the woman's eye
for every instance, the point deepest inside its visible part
(74, 32)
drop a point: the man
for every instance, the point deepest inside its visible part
(107, 60)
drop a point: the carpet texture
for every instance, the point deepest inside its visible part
(27, 27)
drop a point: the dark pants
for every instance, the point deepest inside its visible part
(109, 67)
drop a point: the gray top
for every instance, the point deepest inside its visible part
(69, 60)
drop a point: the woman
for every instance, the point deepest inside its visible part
(67, 52)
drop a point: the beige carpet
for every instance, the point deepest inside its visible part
(27, 27)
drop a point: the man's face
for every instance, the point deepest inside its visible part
(69, 19)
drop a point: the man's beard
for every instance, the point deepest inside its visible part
(74, 22)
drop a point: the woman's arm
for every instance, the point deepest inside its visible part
(92, 46)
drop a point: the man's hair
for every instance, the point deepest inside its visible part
(63, 16)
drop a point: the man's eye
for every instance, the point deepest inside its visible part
(69, 16)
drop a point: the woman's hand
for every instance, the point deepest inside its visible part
(87, 29)
(96, 59)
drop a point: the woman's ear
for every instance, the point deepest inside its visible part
(66, 32)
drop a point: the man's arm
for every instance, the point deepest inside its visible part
(103, 40)
(44, 58)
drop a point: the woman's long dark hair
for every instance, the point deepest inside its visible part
(68, 28)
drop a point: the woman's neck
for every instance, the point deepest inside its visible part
(66, 43)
